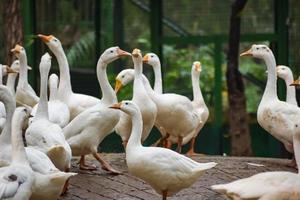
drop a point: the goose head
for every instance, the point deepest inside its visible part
(45, 63)
(129, 107)
(257, 51)
(16, 66)
(123, 78)
(52, 42)
(137, 55)
(113, 53)
(7, 70)
(196, 68)
(19, 51)
(151, 59)
(283, 72)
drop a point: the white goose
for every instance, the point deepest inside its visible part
(87, 130)
(16, 180)
(279, 118)
(58, 111)
(4, 70)
(285, 73)
(127, 75)
(43, 134)
(76, 102)
(11, 77)
(25, 95)
(170, 108)
(166, 171)
(141, 98)
(49, 181)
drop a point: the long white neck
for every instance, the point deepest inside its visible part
(53, 84)
(18, 150)
(270, 92)
(108, 94)
(1, 76)
(158, 79)
(23, 75)
(290, 90)
(138, 76)
(197, 94)
(10, 83)
(42, 109)
(136, 131)
(151, 93)
(64, 72)
(10, 106)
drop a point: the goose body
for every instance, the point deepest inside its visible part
(75, 102)
(281, 120)
(25, 95)
(142, 99)
(58, 111)
(285, 73)
(16, 180)
(47, 176)
(43, 134)
(259, 185)
(166, 171)
(86, 131)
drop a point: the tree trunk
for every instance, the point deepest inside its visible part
(13, 27)
(238, 119)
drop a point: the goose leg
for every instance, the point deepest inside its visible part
(65, 189)
(293, 163)
(164, 194)
(179, 144)
(191, 152)
(165, 140)
(84, 166)
(105, 165)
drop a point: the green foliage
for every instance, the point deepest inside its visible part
(83, 47)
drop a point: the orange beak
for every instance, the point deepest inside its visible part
(45, 38)
(118, 86)
(122, 53)
(296, 82)
(116, 106)
(10, 70)
(246, 53)
(17, 49)
(146, 59)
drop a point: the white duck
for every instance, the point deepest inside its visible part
(76, 102)
(166, 171)
(285, 73)
(49, 181)
(43, 134)
(279, 118)
(16, 180)
(141, 98)
(25, 95)
(87, 130)
(58, 111)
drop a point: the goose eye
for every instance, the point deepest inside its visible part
(55, 40)
(126, 103)
(22, 48)
(123, 76)
(257, 48)
(152, 56)
(111, 51)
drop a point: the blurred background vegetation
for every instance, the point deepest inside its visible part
(188, 30)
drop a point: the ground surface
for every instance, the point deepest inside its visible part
(100, 185)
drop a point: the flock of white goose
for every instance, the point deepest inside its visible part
(37, 166)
